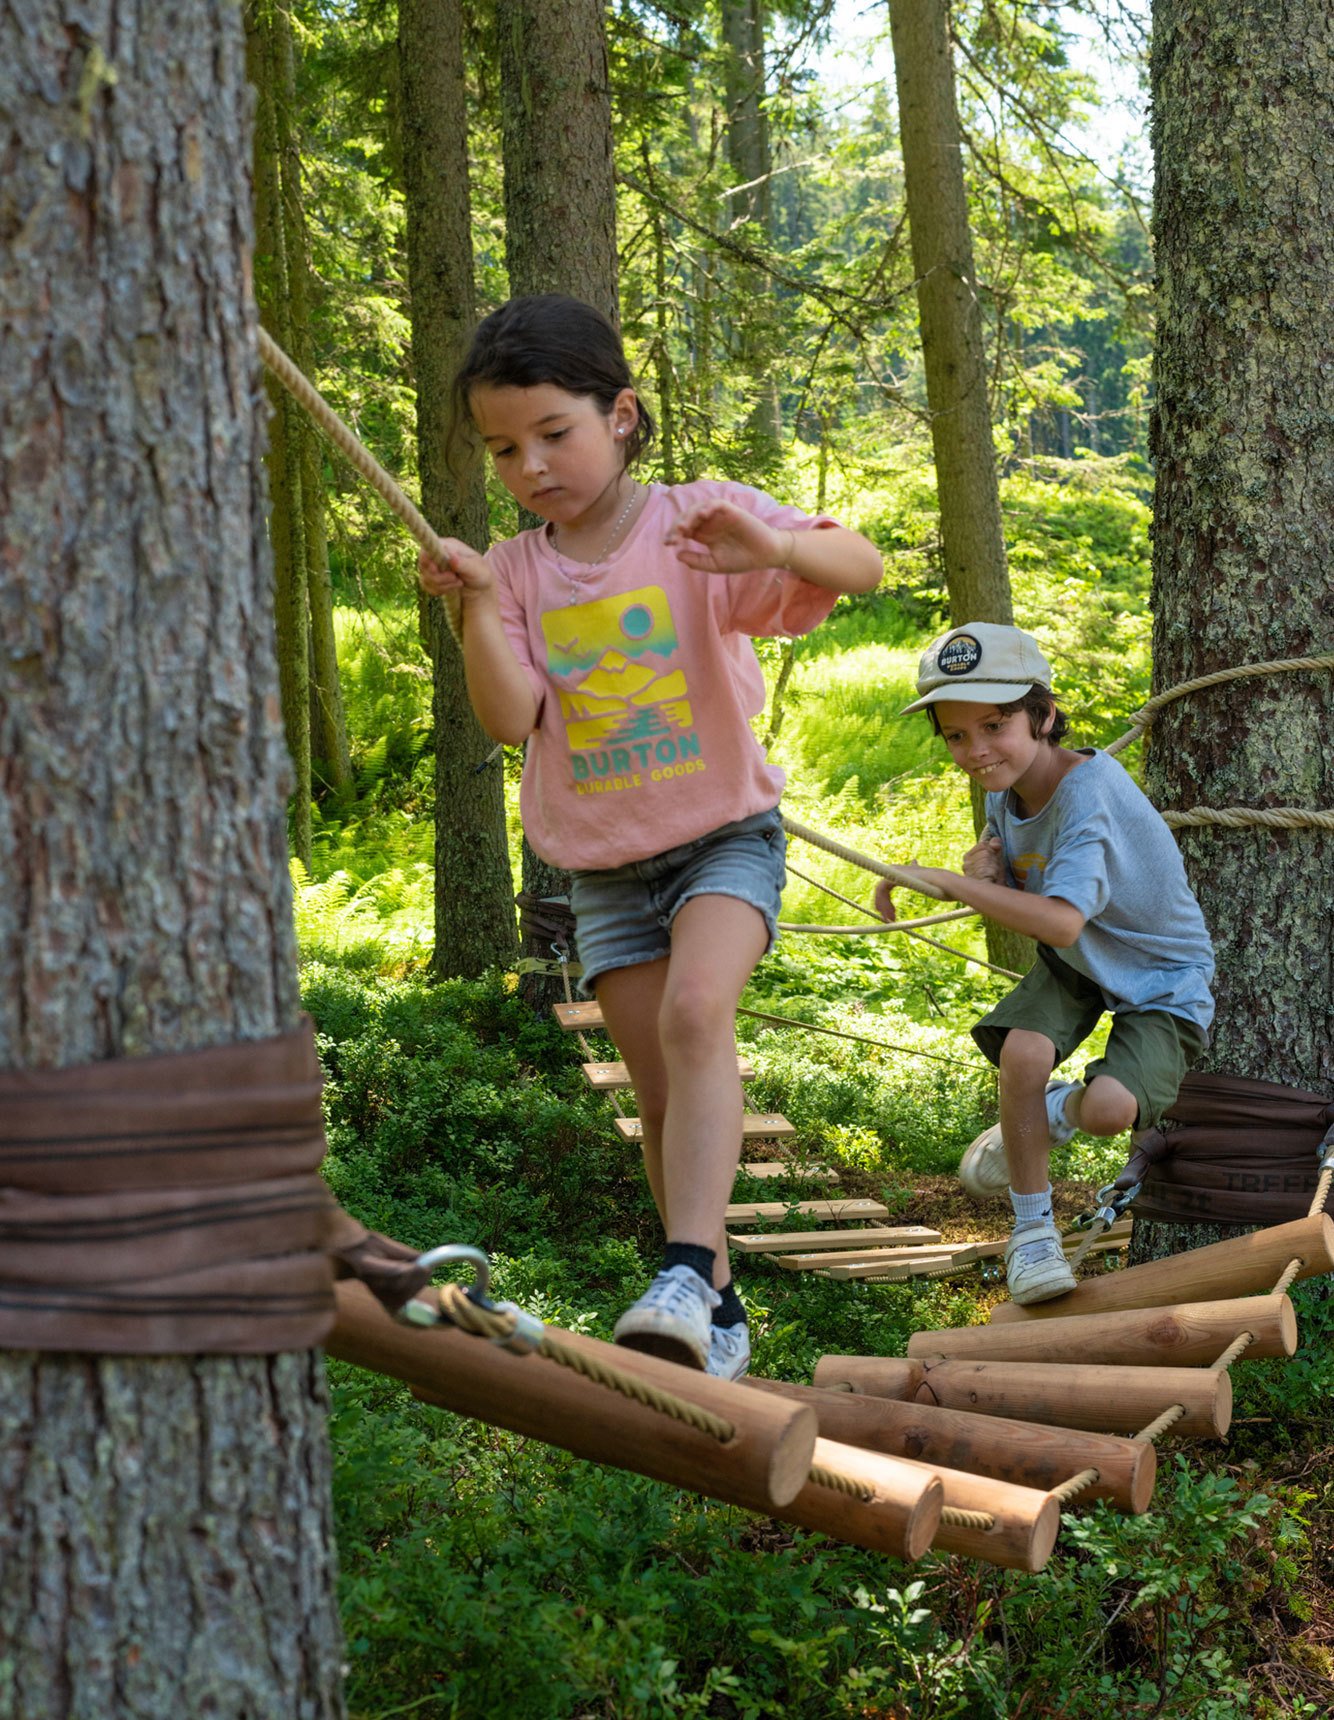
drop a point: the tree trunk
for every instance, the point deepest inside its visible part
(474, 907)
(750, 157)
(953, 351)
(560, 226)
(265, 64)
(165, 1530)
(328, 720)
(1244, 505)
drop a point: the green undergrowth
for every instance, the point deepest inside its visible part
(486, 1574)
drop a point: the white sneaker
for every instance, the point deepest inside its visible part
(1036, 1268)
(984, 1171)
(673, 1319)
(729, 1351)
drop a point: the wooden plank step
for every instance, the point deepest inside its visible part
(579, 1017)
(935, 1253)
(755, 1126)
(609, 1077)
(908, 1264)
(760, 1211)
(915, 1263)
(808, 1241)
(793, 1173)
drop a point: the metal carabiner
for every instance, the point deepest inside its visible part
(528, 1329)
(415, 1313)
(1112, 1202)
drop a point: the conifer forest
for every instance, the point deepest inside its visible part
(1036, 296)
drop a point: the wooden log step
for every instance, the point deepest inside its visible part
(579, 1017)
(1101, 1399)
(1025, 1520)
(773, 1169)
(1006, 1449)
(755, 1126)
(825, 1241)
(609, 1077)
(763, 1466)
(1189, 1334)
(762, 1211)
(1240, 1266)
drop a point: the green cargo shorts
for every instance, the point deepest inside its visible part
(1148, 1051)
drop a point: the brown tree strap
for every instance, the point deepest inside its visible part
(1231, 1151)
(172, 1205)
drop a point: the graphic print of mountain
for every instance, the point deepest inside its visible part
(622, 696)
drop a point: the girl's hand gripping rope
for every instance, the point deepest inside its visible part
(466, 570)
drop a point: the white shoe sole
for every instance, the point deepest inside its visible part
(1044, 1285)
(983, 1170)
(656, 1336)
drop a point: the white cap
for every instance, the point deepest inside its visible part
(982, 663)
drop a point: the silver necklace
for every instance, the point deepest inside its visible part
(615, 532)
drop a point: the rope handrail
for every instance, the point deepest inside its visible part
(299, 386)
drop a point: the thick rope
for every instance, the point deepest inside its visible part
(363, 460)
(461, 1311)
(921, 937)
(896, 874)
(1242, 817)
(823, 1476)
(958, 1518)
(1145, 715)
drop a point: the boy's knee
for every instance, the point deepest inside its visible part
(1027, 1059)
(1106, 1107)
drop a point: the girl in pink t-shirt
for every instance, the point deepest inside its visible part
(615, 642)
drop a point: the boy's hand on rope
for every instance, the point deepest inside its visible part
(719, 537)
(467, 571)
(983, 860)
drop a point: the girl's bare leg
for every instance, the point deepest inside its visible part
(674, 1023)
(631, 1001)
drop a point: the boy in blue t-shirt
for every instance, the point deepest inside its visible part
(1075, 857)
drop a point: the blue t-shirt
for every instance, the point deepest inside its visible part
(1099, 844)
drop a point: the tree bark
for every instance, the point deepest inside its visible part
(165, 1526)
(1244, 505)
(474, 908)
(977, 577)
(560, 225)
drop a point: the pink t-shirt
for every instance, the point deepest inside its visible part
(645, 678)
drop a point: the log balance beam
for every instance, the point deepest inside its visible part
(1023, 1453)
(1191, 1334)
(1099, 1399)
(1238, 1266)
(894, 1507)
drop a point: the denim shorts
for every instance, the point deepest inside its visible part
(624, 916)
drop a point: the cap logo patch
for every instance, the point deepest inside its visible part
(959, 656)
